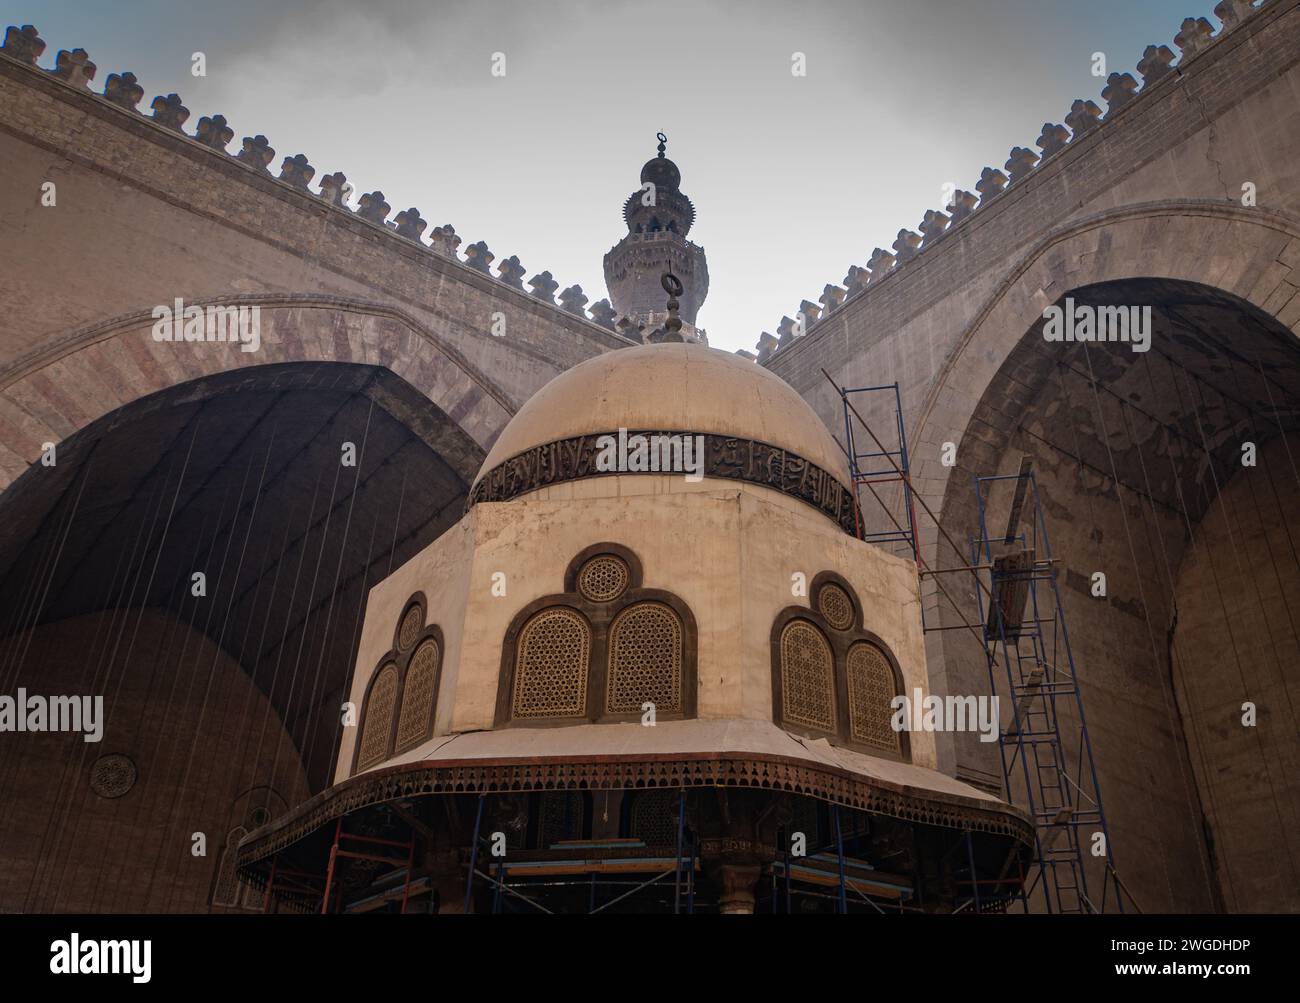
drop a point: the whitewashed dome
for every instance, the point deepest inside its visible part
(671, 387)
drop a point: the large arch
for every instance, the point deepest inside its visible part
(52, 392)
(244, 476)
(1133, 452)
(1253, 254)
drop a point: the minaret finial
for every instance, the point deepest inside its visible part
(663, 142)
(672, 329)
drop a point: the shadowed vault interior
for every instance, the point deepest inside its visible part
(242, 477)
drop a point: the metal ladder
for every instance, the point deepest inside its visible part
(1025, 630)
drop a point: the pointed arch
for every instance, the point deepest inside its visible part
(806, 675)
(552, 665)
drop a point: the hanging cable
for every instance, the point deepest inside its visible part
(338, 572)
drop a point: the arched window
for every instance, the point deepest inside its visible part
(600, 650)
(377, 725)
(226, 891)
(832, 677)
(552, 656)
(415, 721)
(807, 677)
(399, 711)
(409, 627)
(871, 689)
(645, 660)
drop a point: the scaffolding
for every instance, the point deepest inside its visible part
(865, 472)
(1021, 626)
(593, 864)
(833, 869)
(1025, 630)
(372, 853)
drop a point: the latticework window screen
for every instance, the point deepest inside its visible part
(645, 660)
(552, 656)
(378, 723)
(871, 689)
(807, 677)
(417, 696)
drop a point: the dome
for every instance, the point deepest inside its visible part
(671, 387)
(662, 171)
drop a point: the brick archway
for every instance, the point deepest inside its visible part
(51, 395)
(1253, 254)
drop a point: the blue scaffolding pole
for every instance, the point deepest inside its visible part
(1024, 628)
(864, 469)
(1063, 801)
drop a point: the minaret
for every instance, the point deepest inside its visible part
(658, 219)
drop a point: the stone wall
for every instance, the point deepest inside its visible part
(208, 750)
(146, 212)
(1225, 114)
(733, 571)
(1236, 641)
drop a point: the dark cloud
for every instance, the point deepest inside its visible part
(794, 179)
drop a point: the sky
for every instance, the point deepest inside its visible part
(794, 178)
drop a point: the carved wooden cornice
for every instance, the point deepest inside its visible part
(774, 773)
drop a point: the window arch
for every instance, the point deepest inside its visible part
(227, 891)
(807, 670)
(872, 687)
(645, 660)
(551, 665)
(833, 679)
(410, 625)
(377, 718)
(402, 697)
(419, 690)
(600, 650)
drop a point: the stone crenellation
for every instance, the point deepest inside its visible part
(24, 44)
(1195, 34)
